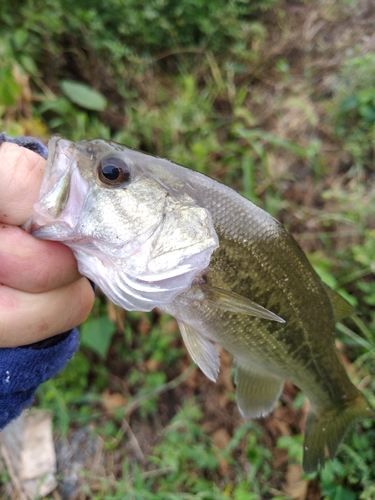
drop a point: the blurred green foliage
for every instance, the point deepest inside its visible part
(355, 112)
(127, 30)
(178, 79)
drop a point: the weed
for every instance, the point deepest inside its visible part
(355, 109)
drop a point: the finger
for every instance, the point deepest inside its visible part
(21, 174)
(33, 265)
(27, 318)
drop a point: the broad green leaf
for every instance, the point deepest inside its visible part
(349, 103)
(367, 112)
(96, 334)
(9, 89)
(83, 95)
(28, 64)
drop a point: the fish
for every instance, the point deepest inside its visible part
(152, 233)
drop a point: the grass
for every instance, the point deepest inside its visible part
(276, 101)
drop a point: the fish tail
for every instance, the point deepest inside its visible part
(326, 428)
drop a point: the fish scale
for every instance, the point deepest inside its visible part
(173, 238)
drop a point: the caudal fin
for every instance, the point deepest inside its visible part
(325, 430)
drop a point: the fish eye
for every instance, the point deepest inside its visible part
(113, 171)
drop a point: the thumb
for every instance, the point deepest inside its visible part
(21, 174)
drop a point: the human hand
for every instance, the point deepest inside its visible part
(41, 291)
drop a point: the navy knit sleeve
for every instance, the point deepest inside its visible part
(23, 369)
(26, 142)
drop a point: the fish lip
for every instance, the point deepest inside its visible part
(55, 148)
(55, 206)
(52, 147)
(34, 223)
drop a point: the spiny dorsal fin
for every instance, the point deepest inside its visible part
(341, 307)
(201, 350)
(230, 301)
(257, 391)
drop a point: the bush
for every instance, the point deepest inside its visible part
(355, 108)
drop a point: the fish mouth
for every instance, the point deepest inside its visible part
(58, 171)
(57, 146)
(62, 193)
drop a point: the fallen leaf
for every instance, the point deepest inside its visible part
(112, 401)
(295, 487)
(29, 453)
(221, 438)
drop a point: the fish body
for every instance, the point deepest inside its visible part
(154, 234)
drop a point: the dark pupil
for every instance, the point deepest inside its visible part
(111, 172)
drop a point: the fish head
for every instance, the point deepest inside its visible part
(132, 227)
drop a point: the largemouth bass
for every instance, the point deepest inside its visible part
(151, 234)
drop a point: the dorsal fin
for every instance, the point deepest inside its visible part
(341, 307)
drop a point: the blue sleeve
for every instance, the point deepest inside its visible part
(26, 142)
(23, 369)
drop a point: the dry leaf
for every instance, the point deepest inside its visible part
(221, 439)
(29, 453)
(295, 488)
(112, 401)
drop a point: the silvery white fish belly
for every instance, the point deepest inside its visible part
(151, 234)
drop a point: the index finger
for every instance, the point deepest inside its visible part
(21, 174)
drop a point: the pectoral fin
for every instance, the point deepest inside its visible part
(257, 391)
(201, 350)
(230, 301)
